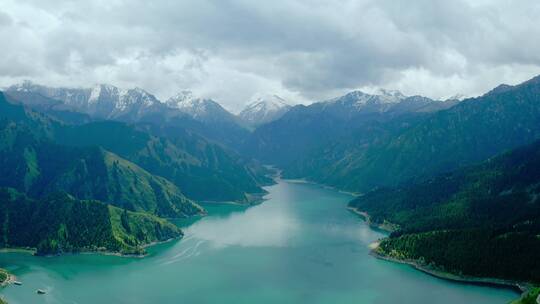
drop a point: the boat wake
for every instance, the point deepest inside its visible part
(188, 252)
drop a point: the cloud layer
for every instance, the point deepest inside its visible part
(304, 50)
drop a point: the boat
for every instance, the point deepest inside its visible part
(17, 283)
(41, 291)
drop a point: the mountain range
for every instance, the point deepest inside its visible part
(100, 102)
(119, 166)
(183, 112)
(455, 180)
(172, 145)
(358, 142)
(356, 115)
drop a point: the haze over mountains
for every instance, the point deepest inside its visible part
(141, 160)
(264, 139)
(109, 102)
(348, 138)
(305, 128)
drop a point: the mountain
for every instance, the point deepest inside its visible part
(264, 110)
(201, 109)
(179, 114)
(102, 101)
(218, 124)
(201, 169)
(468, 220)
(304, 130)
(33, 163)
(471, 131)
(60, 223)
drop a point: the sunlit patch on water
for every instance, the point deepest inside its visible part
(259, 226)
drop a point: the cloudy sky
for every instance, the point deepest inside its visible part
(303, 50)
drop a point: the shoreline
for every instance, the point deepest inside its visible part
(523, 288)
(306, 181)
(386, 227)
(89, 252)
(11, 278)
(17, 250)
(520, 287)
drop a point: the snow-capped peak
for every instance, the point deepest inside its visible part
(358, 98)
(269, 102)
(198, 108)
(136, 96)
(458, 97)
(102, 91)
(390, 95)
(120, 99)
(263, 109)
(183, 99)
(94, 94)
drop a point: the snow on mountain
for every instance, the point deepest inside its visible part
(102, 101)
(202, 109)
(264, 109)
(359, 99)
(381, 101)
(458, 97)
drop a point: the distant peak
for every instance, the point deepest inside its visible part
(139, 91)
(197, 107)
(458, 97)
(268, 99)
(185, 94)
(181, 99)
(390, 93)
(360, 98)
(26, 85)
(100, 90)
(499, 89)
(264, 108)
(105, 86)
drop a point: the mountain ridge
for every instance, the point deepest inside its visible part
(467, 132)
(264, 109)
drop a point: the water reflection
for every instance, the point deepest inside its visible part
(300, 246)
(270, 224)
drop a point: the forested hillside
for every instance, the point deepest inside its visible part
(200, 169)
(468, 220)
(59, 223)
(468, 132)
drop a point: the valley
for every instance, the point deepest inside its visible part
(343, 152)
(437, 174)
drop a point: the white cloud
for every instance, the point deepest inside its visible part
(303, 50)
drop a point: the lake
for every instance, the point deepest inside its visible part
(300, 246)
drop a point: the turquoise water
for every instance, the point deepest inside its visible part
(299, 246)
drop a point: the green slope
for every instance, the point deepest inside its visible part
(471, 131)
(94, 173)
(482, 220)
(202, 169)
(31, 163)
(60, 223)
(530, 297)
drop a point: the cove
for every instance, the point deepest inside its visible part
(300, 246)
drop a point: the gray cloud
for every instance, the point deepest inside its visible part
(5, 19)
(304, 50)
